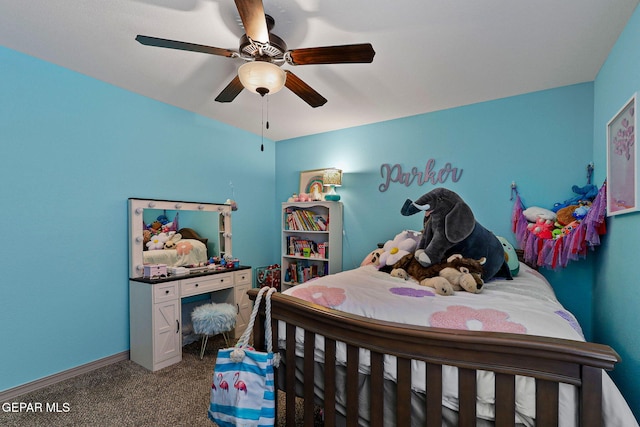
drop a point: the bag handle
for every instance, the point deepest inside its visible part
(238, 353)
(244, 339)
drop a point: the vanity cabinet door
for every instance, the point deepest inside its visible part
(166, 331)
(243, 283)
(154, 324)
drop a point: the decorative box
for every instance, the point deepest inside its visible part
(178, 271)
(155, 271)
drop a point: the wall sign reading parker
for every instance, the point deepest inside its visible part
(394, 173)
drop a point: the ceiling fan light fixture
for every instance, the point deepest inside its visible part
(262, 77)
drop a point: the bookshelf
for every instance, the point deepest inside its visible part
(311, 241)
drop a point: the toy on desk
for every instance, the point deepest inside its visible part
(215, 263)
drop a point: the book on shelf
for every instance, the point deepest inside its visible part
(293, 272)
(301, 247)
(323, 224)
(305, 220)
(300, 272)
(323, 250)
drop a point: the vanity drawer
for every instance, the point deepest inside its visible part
(201, 285)
(242, 277)
(165, 292)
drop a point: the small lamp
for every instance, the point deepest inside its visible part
(332, 178)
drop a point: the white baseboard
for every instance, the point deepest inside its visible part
(12, 393)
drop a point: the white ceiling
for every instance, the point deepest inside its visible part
(430, 54)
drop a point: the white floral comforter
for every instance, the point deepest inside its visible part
(525, 305)
(187, 252)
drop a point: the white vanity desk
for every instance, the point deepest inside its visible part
(155, 310)
(155, 305)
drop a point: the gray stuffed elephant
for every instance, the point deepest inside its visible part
(450, 228)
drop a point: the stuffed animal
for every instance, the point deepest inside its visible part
(373, 258)
(456, 274)
(464, 273)
(586, 193)
(303, 197)
(565, 215)
(542, 228)
(173, 241)
(402, 244)
(146, 237)
(534, 212)
(168, 227)
(155, 227)
(570, 227)
(510, 256)
(316, 194)
(157, 242)
(450, 228)
(581, 211)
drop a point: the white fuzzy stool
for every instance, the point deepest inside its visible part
(212, 319)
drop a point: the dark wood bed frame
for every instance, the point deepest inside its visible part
(550, 361)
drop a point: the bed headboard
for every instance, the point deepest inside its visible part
(218, 230)
(520, 253)
(190, 233)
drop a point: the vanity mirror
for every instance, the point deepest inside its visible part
(205, 230)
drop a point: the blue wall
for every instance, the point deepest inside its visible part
(540, 140)
(73, 150)
(617, 283)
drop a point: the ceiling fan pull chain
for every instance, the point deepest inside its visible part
(262, 126)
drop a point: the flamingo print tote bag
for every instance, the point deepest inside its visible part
(242, 390)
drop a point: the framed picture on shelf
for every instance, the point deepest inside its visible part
(622, 161)
(311, 182)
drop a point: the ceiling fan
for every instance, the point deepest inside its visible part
(268, 52)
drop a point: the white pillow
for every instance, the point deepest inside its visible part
(534, 212)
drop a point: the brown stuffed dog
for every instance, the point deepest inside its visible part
(564, 216)
(456, 274)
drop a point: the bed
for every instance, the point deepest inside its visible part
(371, 349)
(190, 250)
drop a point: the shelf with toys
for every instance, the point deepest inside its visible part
(311, 240)
(552, 237)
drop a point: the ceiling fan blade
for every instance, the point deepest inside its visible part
(351, 53)
(191, 47)
(304, 91)
(230, 92)
(255, 23)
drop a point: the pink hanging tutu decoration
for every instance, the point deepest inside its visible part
(555, 253)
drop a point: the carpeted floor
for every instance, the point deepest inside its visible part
(126, 394)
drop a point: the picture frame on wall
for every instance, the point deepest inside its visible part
(622, 161)
(311, 181)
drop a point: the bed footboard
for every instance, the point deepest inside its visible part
(547, 360)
